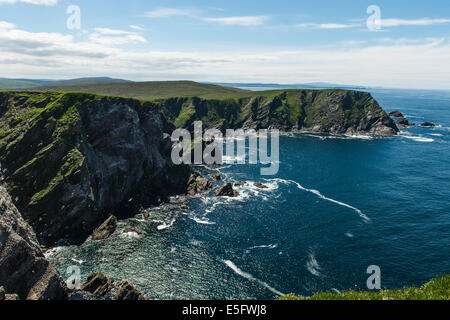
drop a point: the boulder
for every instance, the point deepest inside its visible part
(226, 190)
(106, 229)
(2, 293)
(126, 291)
(428, 125)
(396, 114)
(98, 284)
(23, 268)
(260, 185)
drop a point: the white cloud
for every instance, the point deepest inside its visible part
(401, 63)
(137, 28)
(168, 12)
(36, 2)
(113, 37)
(327, 25)
(246, 21)
(415, 22)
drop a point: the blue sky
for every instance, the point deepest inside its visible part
(235, 41)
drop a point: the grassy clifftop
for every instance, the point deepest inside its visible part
(436, 289)
(148, 90)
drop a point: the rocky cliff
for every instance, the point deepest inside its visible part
(71, 159)
(318, 111)
(23, 268)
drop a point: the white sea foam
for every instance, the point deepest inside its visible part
(317, 193)
(436, 134)
(80, 262)
(248, 276)
(201, 220)
(419, 138)
(350, 235)
(166, 225)
(130, 235)
(269, 246)
(312, 265)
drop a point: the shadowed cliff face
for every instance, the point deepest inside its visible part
(318, 111)
(23, 268)
(73, 158)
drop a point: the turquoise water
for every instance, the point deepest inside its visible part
(337, 206)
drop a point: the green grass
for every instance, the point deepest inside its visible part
(436, 289)
(153, 90)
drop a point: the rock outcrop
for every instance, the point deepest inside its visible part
(216, 176)
(106, 229)
(318, 111)
(428, 124)
(396, 114)
(126, 291)
(98, 284)
(23, 268)
(72, 158)
(403, 123)
(226, 190)
(197, 183)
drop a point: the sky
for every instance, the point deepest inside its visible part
(398, 44)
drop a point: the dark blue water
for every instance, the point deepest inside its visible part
(336, 207)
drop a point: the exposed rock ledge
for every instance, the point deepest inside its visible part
(23, 268)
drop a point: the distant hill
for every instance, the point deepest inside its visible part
(85, 82)
(277, 86)
(7, 84)
(146, 90)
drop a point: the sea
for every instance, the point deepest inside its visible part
(337, 206)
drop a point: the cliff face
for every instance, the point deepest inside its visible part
(23, 268)
(319, 111)
(73, 158)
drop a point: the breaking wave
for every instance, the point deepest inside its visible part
(248, 276)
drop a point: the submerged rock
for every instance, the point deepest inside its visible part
(98, 284)
(226, 190)
(428, 124)
(126, 291)
(260, 185)
(106, 229)
(23, 268)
